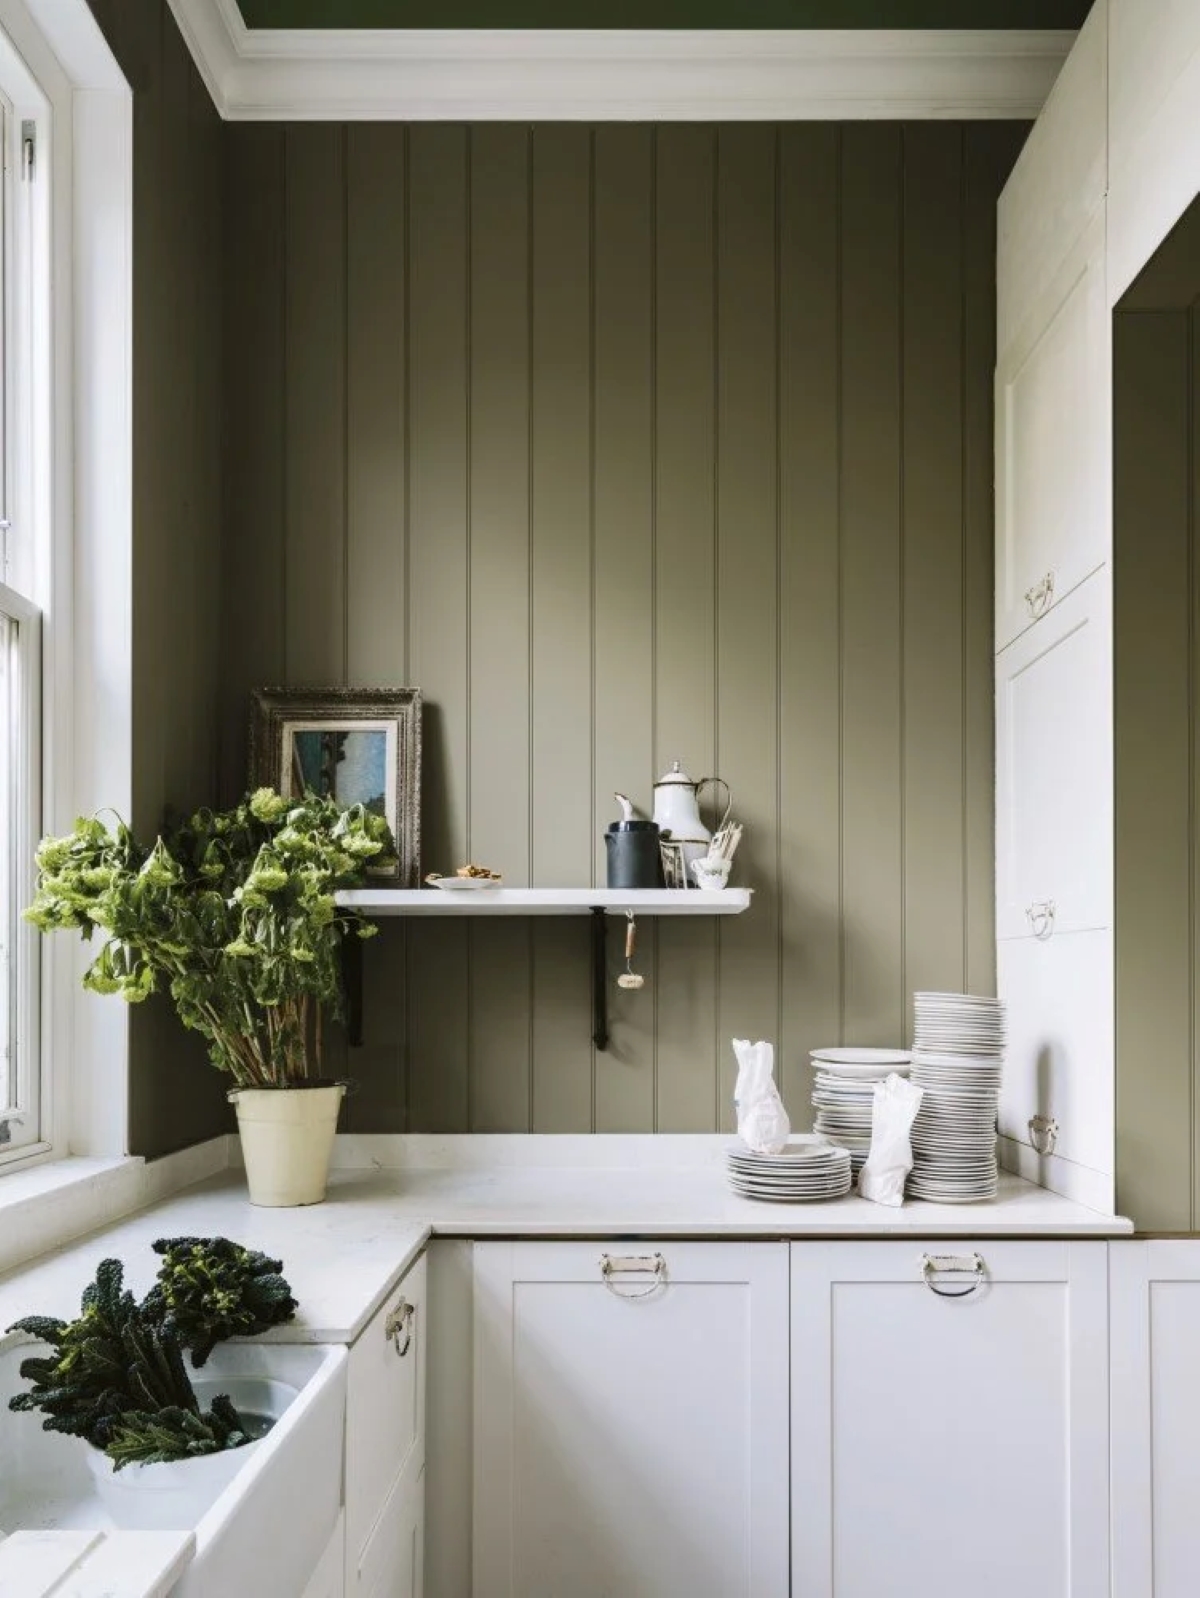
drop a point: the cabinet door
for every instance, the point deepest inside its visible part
(1059, 1062)
(329, 1578)
(385, 1426)
(1053, 442)
(1054, 761)
(1155, 1418)
(393, 1564)
(631, 1430)
(943, 1446)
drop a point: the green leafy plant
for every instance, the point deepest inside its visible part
(232, 915)
(212, 1289)
(116, 1375)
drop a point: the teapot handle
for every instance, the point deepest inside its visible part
(706, 782)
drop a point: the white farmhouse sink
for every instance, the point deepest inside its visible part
(262, 1533)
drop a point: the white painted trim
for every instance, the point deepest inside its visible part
(49, 1205)
(86, 165)
(417, 75)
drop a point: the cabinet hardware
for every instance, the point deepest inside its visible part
(398, 1328)
(1041, 918)
(933, 1265)
(633, 1265)
(1043, 1133)
(1039, 598)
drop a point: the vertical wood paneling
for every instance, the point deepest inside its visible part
(315, 352)
(874, 998)
(625, 450)
(499, 684)
(377, 540)
(254, 547)
(809, 587)
(1194, 730)
(1152, 761)
(932, 510)
(689, 1051)
(748, 596)
(438, 603)
(561, 618)
(623, 535)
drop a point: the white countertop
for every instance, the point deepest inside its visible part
(343, 1256)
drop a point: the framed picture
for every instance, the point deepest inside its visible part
(355, 745)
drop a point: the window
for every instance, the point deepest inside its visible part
(24, 592)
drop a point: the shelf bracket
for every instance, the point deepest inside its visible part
(599, 977)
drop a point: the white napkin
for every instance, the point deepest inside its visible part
(762, 1121)
(881, 1179)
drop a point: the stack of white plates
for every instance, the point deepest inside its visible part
(809, 1168)
(844, 1093)
(958, 1059)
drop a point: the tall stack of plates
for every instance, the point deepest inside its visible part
(844, 1094)
(958, 1059)
(809, 1168)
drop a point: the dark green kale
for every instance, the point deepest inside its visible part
(211, 1289)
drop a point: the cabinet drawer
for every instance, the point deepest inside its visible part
(1054, 770)
(385, 1409)
(1053, 444)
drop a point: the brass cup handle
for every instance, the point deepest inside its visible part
(957, 1265)
(398, 1328)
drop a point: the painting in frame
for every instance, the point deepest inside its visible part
(355, 745)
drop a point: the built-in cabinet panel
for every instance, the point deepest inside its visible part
(631, 1427)
(1058, 182)
(1059, 1060)
(329, 1578)
(1155, 1418)
(1054, 771)
(1053, 410)
(1154, 128)
(942, 1445)
(632, 444)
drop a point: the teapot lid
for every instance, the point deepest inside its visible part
(675, 778)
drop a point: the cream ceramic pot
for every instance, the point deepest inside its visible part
(677, 812)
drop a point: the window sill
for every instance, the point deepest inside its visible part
(44, 1206)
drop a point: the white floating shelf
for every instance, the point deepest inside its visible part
(547, 901)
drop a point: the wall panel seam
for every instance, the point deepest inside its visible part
(406, 562)
(468, 312)
(654, 752)
(902, 553)
(840, 403)
(963, 586)
(344, 158)
(1190, 513)
(532, 633)
(716, 558)
(779, 617)
(592, 378)
(284, 331)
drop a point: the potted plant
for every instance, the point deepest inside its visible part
(116, 1376)
(232, 915)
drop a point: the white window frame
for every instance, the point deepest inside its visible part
(82, 333)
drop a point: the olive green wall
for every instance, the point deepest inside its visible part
(175, 1097)
(628, 444)
(1157, 683)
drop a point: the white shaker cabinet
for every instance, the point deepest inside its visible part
(631, 1420)
(1053, 421)
(949, 1445)
(329, 1578)
(1054, 771)
(385, 1446)
(1155, 1418)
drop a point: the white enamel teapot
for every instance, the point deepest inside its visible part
(677, 811)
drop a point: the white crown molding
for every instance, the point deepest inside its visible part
(421, 75)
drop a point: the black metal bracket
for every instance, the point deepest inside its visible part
(599, 977)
